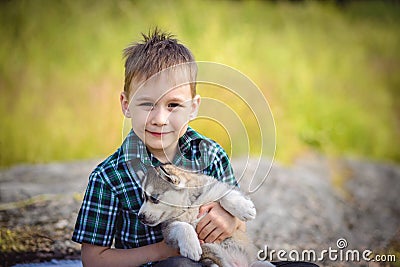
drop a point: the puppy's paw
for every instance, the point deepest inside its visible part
(239, 206)
(246, 210)
(190, 248)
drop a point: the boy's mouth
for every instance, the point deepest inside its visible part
(157, 134)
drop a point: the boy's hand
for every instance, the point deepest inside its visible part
(217, 225)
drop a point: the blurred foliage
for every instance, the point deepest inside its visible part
(329, 72)
(21, 239)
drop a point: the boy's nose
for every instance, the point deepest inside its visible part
(159, 116)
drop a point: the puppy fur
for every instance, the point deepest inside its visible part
(172, 197)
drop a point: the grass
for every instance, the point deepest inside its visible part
(329, 73)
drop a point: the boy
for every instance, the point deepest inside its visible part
(160, 99)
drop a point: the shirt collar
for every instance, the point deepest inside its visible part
(134, 148)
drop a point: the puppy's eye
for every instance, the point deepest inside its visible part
(154, 198)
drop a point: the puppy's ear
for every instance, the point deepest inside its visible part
(174, 179)
(141, 175)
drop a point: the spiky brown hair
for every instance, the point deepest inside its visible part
(157, 51)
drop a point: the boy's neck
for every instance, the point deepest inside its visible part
(165, 156)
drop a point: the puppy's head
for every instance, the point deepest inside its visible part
(163, 194)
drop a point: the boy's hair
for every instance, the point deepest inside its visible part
(157, 51)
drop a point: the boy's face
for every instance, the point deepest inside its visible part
(160, 112)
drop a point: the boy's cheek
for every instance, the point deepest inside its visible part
(139, 116)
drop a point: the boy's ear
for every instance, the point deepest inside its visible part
(195, 107)
(124, 99)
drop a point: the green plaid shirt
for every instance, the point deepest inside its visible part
(113, 196)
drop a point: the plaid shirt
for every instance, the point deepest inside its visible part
(113, 196)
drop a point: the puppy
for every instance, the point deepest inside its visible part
(172, 197)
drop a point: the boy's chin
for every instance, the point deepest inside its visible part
(159, 147)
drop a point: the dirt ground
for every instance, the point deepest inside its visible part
(310, 205)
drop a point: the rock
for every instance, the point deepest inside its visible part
(300, 207)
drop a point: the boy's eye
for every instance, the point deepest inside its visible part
(146, 104)
(174, 105)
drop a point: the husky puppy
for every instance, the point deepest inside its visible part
(172, 197)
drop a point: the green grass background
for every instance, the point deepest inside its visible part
(330, 73)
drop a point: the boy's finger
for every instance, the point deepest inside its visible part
(202, 223)
(206, 231)
(222, 237)
(214, 236)
(205, 209)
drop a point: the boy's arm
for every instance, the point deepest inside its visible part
(218, 224)
(93, 255)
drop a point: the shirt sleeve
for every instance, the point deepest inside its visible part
(220, 166)
(97, 216)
